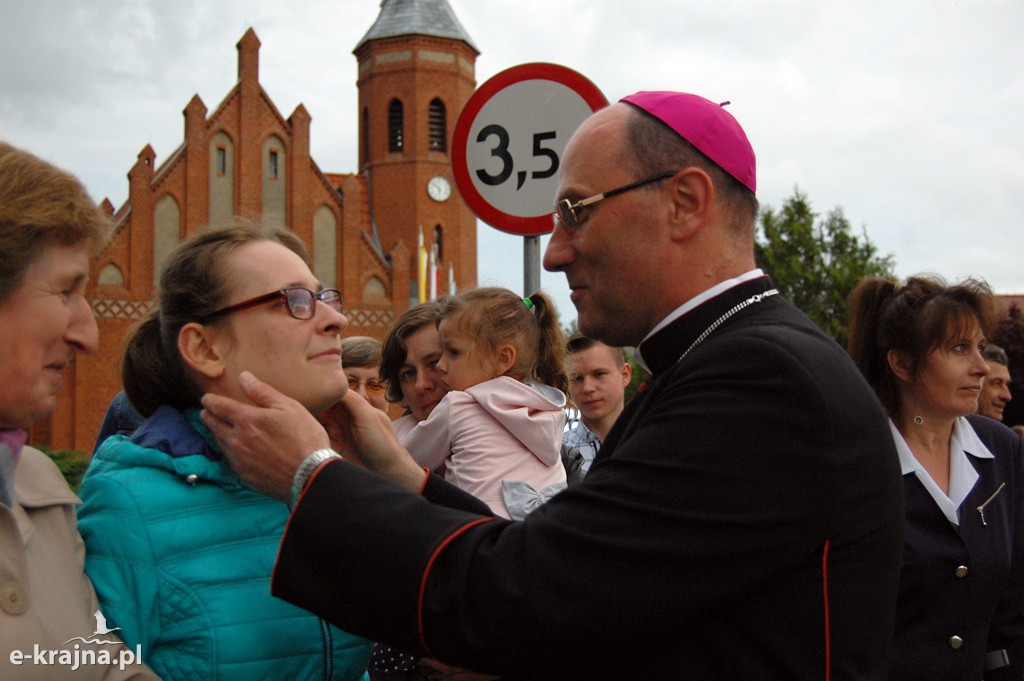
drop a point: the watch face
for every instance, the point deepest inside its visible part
(438, 188)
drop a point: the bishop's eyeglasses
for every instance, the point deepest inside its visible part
(568, 212)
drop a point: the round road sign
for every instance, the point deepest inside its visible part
(508, 143)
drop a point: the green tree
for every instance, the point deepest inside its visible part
(815, 264)
(640, 375)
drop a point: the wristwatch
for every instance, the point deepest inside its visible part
(306, 468)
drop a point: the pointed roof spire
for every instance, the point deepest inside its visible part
(416, 17)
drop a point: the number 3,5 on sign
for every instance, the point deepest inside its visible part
(508, 143)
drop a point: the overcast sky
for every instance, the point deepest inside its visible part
(908, 115)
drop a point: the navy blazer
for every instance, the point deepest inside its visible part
(962, 588)
(743, 520)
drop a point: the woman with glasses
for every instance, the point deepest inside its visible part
(360, 356)
(180, 551)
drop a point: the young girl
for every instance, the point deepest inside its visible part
(497, 433)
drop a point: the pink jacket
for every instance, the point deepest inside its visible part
(403, 424)
(501, 429)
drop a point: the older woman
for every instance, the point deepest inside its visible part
(49, 227)
(960, 613)
(180, 550)
(360, 355)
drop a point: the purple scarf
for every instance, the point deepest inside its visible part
(10, 441)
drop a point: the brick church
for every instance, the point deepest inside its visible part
(416, 70)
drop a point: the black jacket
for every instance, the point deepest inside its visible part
(962, 588)
(743, 520)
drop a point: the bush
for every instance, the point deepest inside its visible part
(72, 464)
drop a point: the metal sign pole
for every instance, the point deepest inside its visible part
(531, 265)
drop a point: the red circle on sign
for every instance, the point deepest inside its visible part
(484, 209)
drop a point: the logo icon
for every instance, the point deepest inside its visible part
(101, 630)
(82, 654)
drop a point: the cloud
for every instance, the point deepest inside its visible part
(904, 114)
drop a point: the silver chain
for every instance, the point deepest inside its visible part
(718, 322)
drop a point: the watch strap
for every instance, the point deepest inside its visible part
(306, 468)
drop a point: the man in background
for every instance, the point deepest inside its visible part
(598, 376)
(995, 391)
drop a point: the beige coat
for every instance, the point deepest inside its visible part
(46, 601)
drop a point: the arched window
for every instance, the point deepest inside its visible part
(274, 169)
(222, 178)
(166, 232)
(325, 247)
(110, 275)
(438, 126)
(364, 139)
(439, 243)
(375, 288)
(396, 123)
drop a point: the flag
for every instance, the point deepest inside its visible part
(421, 260)
(433, 271)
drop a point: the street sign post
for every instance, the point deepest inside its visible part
(508, 144)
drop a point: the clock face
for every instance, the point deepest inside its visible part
(438, 188)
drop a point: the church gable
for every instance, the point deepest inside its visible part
(246, 159)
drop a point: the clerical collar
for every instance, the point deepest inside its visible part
(716, 290)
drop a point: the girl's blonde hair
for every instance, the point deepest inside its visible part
(495, 316)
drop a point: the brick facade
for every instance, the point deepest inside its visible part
(246, 159)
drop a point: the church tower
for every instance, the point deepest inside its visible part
(416, 71)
